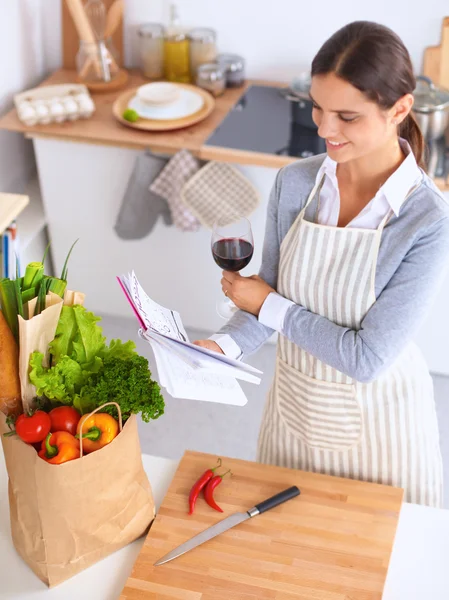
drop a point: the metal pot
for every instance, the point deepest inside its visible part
(431, 108)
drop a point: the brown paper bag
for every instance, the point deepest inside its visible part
(66, 517)
(36, 333)
(34, 336)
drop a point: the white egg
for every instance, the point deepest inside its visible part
(71, 108)
(42, 112)
(57, 111)
(85, 104)
(27, 114)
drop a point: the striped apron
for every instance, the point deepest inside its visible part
(317, 418)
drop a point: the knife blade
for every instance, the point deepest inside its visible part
(228, 523)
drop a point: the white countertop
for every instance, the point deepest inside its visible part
(419, 567)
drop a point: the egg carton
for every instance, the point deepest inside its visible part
(54, 104)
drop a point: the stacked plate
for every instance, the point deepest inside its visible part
(164, 105)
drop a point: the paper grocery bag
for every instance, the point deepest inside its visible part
(34, 336)
(66, 517)
(36, 333)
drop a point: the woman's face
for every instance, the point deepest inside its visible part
(352, 125)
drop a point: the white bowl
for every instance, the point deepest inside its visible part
(189, 102)
(158, 94)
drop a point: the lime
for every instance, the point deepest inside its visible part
(130, 115)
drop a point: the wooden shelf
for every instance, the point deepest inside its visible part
(11, 205)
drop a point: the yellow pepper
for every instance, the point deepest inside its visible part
(98, 431)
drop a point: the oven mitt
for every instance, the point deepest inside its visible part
(141, 208)
(169, 184)
(219, 191)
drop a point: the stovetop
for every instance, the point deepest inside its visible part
(265, 121)
(262, 122)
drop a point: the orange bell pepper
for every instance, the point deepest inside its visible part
(98, 431)
(60, 447)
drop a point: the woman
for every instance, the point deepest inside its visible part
(355, 248)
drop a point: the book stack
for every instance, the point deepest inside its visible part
(9, 252)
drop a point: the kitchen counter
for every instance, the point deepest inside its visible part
(418, 566)
(102, 128)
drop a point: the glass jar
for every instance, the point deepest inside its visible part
(97, 61)
(151, 47)
(176, 57)
(234, 67)
(203, 48)
(211, 77)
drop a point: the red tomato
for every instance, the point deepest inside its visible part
(33, 429)
(64, 418)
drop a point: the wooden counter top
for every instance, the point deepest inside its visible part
(102, 128)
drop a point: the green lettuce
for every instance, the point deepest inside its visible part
(77, 352)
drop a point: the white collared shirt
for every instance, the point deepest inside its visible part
(390, 196)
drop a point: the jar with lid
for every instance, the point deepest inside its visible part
(211, 77)
(176, 51)
(151, 48)
(234, 67)
(203, 47)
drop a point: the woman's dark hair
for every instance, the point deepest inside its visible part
(373, 59)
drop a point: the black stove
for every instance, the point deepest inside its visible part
(267, 120)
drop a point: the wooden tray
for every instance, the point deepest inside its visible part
(333, 542)
(121, 104)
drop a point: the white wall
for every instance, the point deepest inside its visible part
(23, 64)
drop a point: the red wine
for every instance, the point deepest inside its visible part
(232, 254)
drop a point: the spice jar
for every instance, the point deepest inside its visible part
(234, 67)
(151, 38)
(211, 77)
(203, 48)
(176, 51)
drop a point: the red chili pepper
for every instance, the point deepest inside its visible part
(199, 485)
(209, 490)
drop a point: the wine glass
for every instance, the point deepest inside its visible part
(232, 248)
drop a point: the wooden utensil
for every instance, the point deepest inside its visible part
(333, 542)
(85, 33)
(114, 17)
(70, 37)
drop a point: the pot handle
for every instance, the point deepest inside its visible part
(426, 80)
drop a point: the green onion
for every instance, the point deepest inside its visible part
(28, 295)
(41, 297)
(45, 253)
(57, 286)
(64, 268)
(34, 274)
(18, 298)
(8, 301)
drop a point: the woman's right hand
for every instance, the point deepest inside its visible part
(210, 345)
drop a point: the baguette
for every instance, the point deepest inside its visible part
(10, 396)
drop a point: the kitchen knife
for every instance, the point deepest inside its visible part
(231, 521)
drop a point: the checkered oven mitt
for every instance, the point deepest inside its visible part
(219, 191)
(169, 184)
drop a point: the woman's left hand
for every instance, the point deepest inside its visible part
(247, 293)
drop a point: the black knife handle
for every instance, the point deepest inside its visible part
(287, 494)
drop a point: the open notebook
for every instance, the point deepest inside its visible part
(185, 370)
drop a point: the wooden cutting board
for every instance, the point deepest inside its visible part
(333, 542)
(436, 58)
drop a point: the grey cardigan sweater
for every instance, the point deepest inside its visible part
(413, 258)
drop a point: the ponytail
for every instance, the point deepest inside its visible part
(410, 131)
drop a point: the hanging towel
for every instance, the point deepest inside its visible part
(141, 208)
(219, 191)
(169, 184)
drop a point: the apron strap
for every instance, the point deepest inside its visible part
(316, 189)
